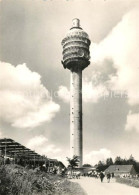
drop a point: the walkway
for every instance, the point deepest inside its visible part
(95, 187)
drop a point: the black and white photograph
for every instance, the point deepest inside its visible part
(69, 97)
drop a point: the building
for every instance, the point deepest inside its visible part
(76, 57)
(51, 163)
(121, 169)
(86, 170)
(12, 152)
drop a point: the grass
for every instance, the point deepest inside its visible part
(128, 181)
(17, 180)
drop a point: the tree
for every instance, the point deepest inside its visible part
(136, 166)
(101, 166)
(87, 165)
(131, 160)
(118, 160)
(100, 163)
(73, 162)
(125, 161)
(109, 161)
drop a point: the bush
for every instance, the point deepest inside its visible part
(16, 180)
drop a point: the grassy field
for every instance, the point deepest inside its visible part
(131, 182)
(17, 180)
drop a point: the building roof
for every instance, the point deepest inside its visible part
(10, 148)
(119, 168)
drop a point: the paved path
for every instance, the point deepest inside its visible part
(95, 187)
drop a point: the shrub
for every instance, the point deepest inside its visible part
(16, 180)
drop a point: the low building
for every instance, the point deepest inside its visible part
(85, 170)
(12, 152)
(121, 170)
(53, 163)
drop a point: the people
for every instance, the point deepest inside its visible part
(101, 176)
(89, 173)
(108, 177)
(78, 174)
(112, 175)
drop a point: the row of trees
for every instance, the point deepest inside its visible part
(118, 161)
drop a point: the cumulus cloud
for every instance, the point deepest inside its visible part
(64, 93)
(132, 122)
(121, 45)
(97, 86)
(36, 141)
(51, 150)
(93, 93)
(41, 145)
(90, 92)
(24, 101)
(94, 157)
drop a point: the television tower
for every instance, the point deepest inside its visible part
(76, 57)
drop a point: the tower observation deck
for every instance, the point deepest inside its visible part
(76, 57)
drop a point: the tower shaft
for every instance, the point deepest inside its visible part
(76, 57)
(76, 134)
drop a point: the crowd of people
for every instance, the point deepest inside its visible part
(108, 176)
(76, 175)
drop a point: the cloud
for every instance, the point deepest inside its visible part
(42, 146)
(93, 93)
(115, 62)
(96, 86)
(37, 141)
(94, 157)
(132, 122)
(64, 93)
(40, 143)
(24, 101)
(51, 150)
(90, 92)
(121, 45)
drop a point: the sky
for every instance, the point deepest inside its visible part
(35, 88)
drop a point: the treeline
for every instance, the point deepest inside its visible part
(101, 166)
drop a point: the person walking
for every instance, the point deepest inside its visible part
(112, 175)
(108, 177)
(101, 176)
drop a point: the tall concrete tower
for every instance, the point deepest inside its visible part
(76, 57)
